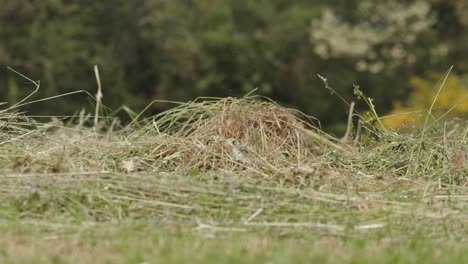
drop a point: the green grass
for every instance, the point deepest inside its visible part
(212, 218)
(148, 242)
(230, 181)
(173, 218)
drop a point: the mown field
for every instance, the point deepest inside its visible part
(230, 181)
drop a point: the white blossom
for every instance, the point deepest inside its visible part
(385, 31)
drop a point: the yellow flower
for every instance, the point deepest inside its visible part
(423, 93)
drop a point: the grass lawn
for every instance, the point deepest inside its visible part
(230, 181)
(149, 218)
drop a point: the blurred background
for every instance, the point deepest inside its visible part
(396, 51)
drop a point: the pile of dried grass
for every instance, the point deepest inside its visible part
(230, 134)
(208, 134)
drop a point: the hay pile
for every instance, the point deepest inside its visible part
(209, 134)
(230, 134)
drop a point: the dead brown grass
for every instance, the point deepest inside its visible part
(232, 134)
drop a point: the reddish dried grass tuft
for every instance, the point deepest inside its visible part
(231, 133)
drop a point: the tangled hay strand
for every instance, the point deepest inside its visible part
(232, 133)
(438, 154)
(14, 125)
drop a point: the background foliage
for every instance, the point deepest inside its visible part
(451, 101)
(181, 49)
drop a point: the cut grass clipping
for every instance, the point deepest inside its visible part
(228, 134)
(236, 166)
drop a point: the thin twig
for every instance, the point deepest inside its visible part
(98, 96)
(350, 122)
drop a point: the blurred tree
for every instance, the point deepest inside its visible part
(381, 43)
(181, 49)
